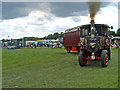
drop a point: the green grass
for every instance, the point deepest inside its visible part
(54, 68)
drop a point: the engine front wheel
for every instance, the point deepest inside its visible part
(104, 58)
(82, 60)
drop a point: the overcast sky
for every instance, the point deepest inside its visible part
(25, 19)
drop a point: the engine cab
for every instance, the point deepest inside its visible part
(94, 43)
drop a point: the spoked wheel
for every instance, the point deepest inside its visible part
(82, 60)
(104, 58)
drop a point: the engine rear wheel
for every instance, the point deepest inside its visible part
(82, 60)
(104, 58)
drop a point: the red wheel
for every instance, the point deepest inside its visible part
(82, 60)
(104, 58)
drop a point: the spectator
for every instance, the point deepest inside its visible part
(55, 44)
(50, 45)
(58, 44)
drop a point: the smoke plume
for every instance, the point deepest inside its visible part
(94, 7)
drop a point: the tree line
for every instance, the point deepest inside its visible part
(57, 35)
(50, 36)
(112, 33)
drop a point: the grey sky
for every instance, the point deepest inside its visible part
(12, 10)
(38, 19)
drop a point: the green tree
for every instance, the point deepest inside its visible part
(112, 33)
(3, 40)
(60, 35)
(50, 36)
(55, 35)
(118, 32)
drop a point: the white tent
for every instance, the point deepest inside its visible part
(27, 42)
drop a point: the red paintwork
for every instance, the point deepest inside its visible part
(71, 38)
(106, 58)
(74, 49)
(84, 59)
(67, 49)
(96, 57)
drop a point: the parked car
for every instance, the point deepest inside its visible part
(13, 47)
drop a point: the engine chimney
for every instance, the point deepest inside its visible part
(92, 20)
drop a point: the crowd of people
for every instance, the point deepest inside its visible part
(49, 44)
(115, 45)
(53, 44)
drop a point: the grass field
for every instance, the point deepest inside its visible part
(54, 68)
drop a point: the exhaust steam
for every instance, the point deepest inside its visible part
(94, 7)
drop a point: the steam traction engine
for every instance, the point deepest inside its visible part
(91, 41)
